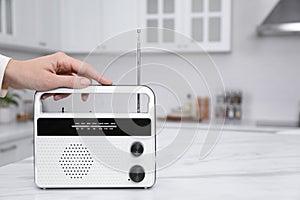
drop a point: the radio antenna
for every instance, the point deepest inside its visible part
(138, 66)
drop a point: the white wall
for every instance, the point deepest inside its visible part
(266, 68)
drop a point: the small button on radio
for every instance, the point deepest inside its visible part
(137, 173)
(137, 149)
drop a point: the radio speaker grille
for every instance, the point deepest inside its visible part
(76, 161)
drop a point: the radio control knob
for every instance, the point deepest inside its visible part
(137, 149)
(137, 173)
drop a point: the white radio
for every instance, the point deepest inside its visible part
(95, 149)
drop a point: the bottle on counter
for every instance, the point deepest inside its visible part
(238, 105)
(234, 105)
(189, 104)
(230, 111)
(205, 109)
(220, 108)
(199, 109)
(229, 105)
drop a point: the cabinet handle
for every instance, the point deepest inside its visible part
(10, 148)
(9, 17)
(43, 44)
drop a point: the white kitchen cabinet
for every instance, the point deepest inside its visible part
(18, 25)
(48, 24)
(72, 26)
(100, 21)
(8, 153)
(7, 21)
(16, 142)
(80, 25)
(208, 23)
(205, 23)
(117, 17)
(161, 14)
(15, 150)
(30, 24)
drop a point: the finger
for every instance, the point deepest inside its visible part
(84, 96)
(70, 81)
(60, 96)
(45, 96)
(88, 71)
(56, 96)
(84, 69)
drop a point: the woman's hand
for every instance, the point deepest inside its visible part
(50, 72)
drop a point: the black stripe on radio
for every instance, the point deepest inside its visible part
(94, 127)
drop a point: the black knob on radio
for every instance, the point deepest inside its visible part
(137, 149)
(137, 173)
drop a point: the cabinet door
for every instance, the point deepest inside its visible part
(118, 17)
(30, 23)
(80, 27)
(208, 23)
(15, 150)
(25, 148)
(7, 24)
(8, 153)
(166, 15)
(18, 22)
(48, 28)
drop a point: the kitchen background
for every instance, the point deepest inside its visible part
(258, 160)
(264, 68)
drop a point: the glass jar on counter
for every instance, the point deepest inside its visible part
(220, 108)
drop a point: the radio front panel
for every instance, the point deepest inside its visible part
(95, 150)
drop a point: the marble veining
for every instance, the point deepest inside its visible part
(243, 165)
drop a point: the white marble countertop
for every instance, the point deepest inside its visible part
(246, 126)
(15, 130)
(245, 165)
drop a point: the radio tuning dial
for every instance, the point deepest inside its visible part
(137, 173)
(137, 149)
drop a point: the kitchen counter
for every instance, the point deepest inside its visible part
(245, 126)
(251, 165)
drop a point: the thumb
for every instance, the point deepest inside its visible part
(71, 81)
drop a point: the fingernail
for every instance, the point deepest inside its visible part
(105, 81)
(85, 82)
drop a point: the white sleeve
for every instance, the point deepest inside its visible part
(3, 63)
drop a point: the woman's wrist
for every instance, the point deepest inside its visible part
(8, 73)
